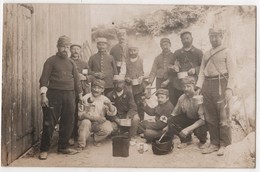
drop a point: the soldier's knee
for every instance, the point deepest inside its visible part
(136, 119)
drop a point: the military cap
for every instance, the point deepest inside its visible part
(162, 91)
(101, 39)
(132, 46)
(165, 40)
(118, 78)
(184, 32)
(63, 41)
(121, 32)
(98, 82)
(215, 30)
(73, 45)
(188, 80)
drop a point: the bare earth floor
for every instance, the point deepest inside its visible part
(101, 156)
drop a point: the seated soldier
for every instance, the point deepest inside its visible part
(92, 115)
(153, 129)
(188, 117)
(126, 108)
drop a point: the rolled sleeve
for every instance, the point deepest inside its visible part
(231, 68)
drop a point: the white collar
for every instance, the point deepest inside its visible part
(120, 93)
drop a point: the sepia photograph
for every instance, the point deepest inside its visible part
(102, 85)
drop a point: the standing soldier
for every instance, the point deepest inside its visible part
(102, 65)
(82, 68)
(58, 83)
(216, 81)
(160, 64)
(134, 77)
(187, 59)
(120, 51)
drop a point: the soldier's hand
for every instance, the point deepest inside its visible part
(165, 129)
(197, 91)
(99, 75)
(165, 84)
(44, 100)
(107, 103)
(185, 132)
(228, 94)
(192, 71)
(128, 80)
(82, 77)
(80, 98)
(101, 120)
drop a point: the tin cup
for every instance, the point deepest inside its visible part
(135, 82)
(141, 148)
(85, 71)
(125, 122)
(118, 63)
(198, 99)
(182, 75)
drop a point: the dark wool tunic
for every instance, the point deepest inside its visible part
(134, 70)
(105, 64)
(80, 65)
(118, 52)
(163, 109)
(187, 60)
(160, 66)
(61, 74)
(124, 104)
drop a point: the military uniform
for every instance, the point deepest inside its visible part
(134, 70)
(161, 112)
(216, 75)
(104, 63)
(187, 112)
(160, 68)
(120, 54)
(126, 108)
(185, 60)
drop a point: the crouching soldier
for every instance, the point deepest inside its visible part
(188, 116)
(92, 115)
(126, 108)
(153, 129)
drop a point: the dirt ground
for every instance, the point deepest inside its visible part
(102, 156)
(92, 156)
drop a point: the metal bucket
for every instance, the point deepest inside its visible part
(120, 146)
(163, 147)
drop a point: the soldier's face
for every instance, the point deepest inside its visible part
(64, 50)
(133, 52)
(101, 46)
(165, 46)
(75, 51)
(186, 40)
(215, 40)
(119, 86)
(188, 89)
(97, 90)
(122, 38)
(162, 98)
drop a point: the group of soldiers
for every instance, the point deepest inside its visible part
(95, 99)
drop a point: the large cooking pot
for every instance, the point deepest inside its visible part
(162, 147)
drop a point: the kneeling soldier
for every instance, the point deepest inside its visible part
(188, 117)
(92, 116)
(126, 108)
(153, 129)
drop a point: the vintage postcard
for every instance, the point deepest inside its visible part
(128, 85)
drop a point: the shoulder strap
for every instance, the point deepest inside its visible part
(210, 57)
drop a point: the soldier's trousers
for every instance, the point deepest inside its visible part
(178, 123)
(215, 113)
(61, 105)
